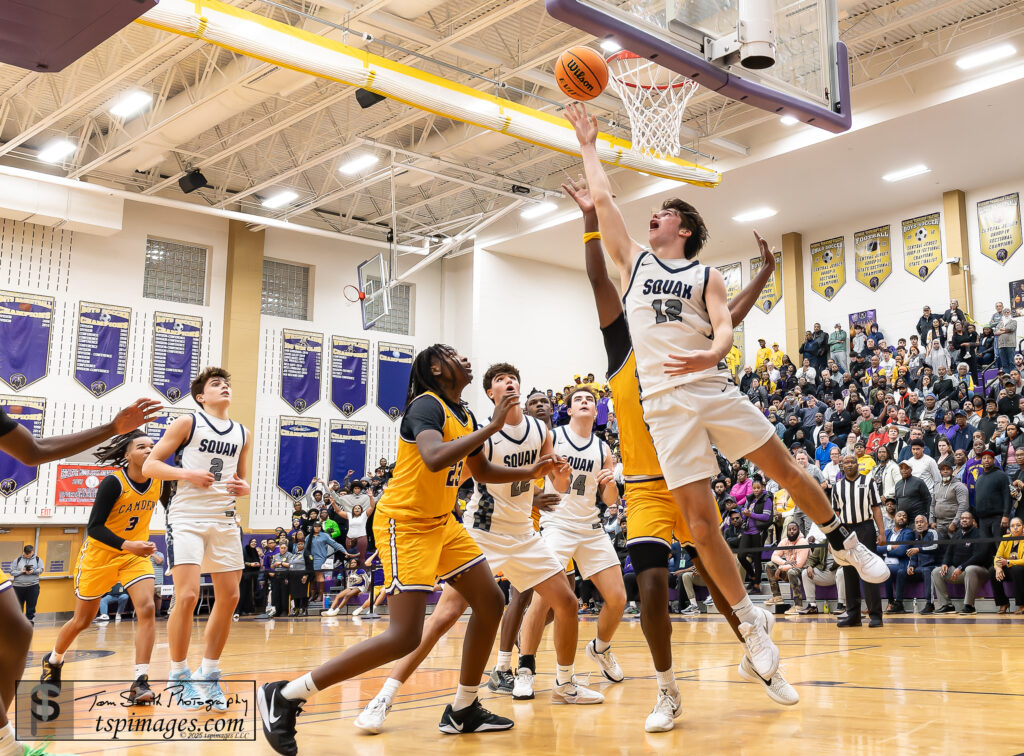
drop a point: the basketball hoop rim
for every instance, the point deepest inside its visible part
(627, 55)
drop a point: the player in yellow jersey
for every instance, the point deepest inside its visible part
(117, 549)
(419, 540)
(18, 442)
(652, 516)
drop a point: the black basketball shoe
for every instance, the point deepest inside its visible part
(278, 714)
(474, 718)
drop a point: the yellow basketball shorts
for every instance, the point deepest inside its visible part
(99, 569)
(416, 552)
(5, 581)
(652, 515)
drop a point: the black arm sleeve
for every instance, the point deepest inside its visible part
(106, 498)
(425, 413)
(7, 424)
(617, 343)
(167, 491)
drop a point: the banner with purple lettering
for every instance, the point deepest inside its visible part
(301, 360)
(177, 342)
(29, 411)
(394, 363)
(298, 450)
(348, 449)
(156, 428)
(25, 326)
(101, 351)
(350, 360)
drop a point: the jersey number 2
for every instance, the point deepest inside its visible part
(454, 475)
(216, 467)
(673, 308)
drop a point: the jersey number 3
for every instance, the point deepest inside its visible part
(673, 309)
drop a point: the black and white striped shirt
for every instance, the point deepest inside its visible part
(855, 498)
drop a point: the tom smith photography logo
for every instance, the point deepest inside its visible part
(100, 710)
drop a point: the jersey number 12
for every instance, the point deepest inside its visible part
(673, 309)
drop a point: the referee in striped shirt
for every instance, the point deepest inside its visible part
(858, 505)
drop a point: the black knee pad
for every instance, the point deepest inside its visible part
(646, 555)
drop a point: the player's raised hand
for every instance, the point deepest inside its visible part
(546, 465)
(584, 124)
(604, 476)
(691, 362)
(767, 253)
(577, 189)
(238, 486)
(201, 478)
(502, 408)
(135, 414)
(139, 548)
(545, 502)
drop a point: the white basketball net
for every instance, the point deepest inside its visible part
(655, 99)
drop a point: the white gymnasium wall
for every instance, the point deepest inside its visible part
(899, 299)
(72, 267)
(333, 268)
(542, 318)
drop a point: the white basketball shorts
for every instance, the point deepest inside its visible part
(524, 560)
(592, 551)
(686, 420)
(215, 546)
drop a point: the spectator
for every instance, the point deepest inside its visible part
(821, 570)
(298, 579)
(732, 529)
(991, 497)
(832, 471)
(357, 541)
(158, 583)
(879, 436)
(924, 323)
(279, 567)
(895, 555)
(922, 466)
(923, 558)
(950, 501)
(865, 462)
(823, 452)
(724, 500)
(25, 572)
(912, 495)
(1009, 563)
(757, 513)
(787, 562)
(743, 488)
(250, 577)
(115, 595)
(1009, 404)
(837, 341)
(964, 563)
(943, 451)
(894, 443)
(686, 578)
(886, 473)
(357, 582)
(318, 545)
(936, 357)
(1006, 339)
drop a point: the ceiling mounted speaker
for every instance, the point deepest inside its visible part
(367, 99)
(191, 181)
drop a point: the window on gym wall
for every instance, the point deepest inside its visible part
(399, 318)
(175, 271)
(285, 290)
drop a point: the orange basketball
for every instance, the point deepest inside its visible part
(581, 73)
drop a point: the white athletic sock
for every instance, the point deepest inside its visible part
(504, 661)
(391, 686)
(301, 688)
(179, 666)
(140, 670)
(465, 695)
(56, 658)
(744, 611)
(563, 674)
(8, 745)
(208, 667)
(601, 646)
(667, 682)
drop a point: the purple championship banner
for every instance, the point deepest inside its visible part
(298, 448)
(177, 341)
(350, 360)
(301, 361)
(348, 449)
(25, 325)
(30, 412)
(394, 363)
(101, 347)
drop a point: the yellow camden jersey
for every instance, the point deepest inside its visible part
(414, 491)
(130, 515)
(639, 459)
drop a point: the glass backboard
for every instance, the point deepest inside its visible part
(373, 281)
(807, 78)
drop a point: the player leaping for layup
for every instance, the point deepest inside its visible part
(202, 535)
(681, 329)
(652, 517)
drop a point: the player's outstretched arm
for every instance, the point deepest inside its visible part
(605, 295)
(562, 475)
(437, 454)
(29, 450)
(485, 471)
(620, 246)
(742, 302)
(169, 443)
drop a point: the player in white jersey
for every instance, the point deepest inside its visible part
(498, 517)
(681, 329)
(202, 532)
(573, 531)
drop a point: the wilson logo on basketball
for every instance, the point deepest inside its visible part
(579, 74)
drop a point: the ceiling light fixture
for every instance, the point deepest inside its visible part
(280, 199)
(541, 208)
(905, 173)
(56, 151)
(610, 46)
(131, 103)
(357, 164)
(790, 120)
(755, 214)
(984, 57)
